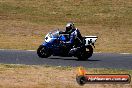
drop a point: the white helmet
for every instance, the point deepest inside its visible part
(69, 26)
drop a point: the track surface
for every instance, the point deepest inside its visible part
(98, 60)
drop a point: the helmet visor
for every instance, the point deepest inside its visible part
(68, 28)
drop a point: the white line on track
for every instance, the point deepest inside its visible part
(30, 50)
(97, 52)
(125, 53)
(17, 49)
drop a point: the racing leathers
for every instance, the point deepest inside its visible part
(75, 38)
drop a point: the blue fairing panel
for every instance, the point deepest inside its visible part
(62, 38)
(44, 43)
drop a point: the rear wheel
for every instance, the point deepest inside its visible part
(85, 53)
(43, 52)
(89, 51)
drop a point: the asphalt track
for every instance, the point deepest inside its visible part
(98, 60)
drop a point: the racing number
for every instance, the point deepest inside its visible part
(88, 41)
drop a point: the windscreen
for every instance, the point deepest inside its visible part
(55, 34)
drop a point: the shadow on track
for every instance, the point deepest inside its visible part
(72, 59)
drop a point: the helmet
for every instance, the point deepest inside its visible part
(69, 27)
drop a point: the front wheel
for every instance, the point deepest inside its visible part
(43, 52)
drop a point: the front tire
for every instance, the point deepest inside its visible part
(43, 52)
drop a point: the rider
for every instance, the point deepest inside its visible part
(75, 38)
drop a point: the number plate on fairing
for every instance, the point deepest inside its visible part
(90, 40)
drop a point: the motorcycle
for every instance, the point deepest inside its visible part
(54, 45)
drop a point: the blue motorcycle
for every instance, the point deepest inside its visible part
(54, 45)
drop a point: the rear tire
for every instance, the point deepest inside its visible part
(43, 52)
(90, 52)
(84, 55)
